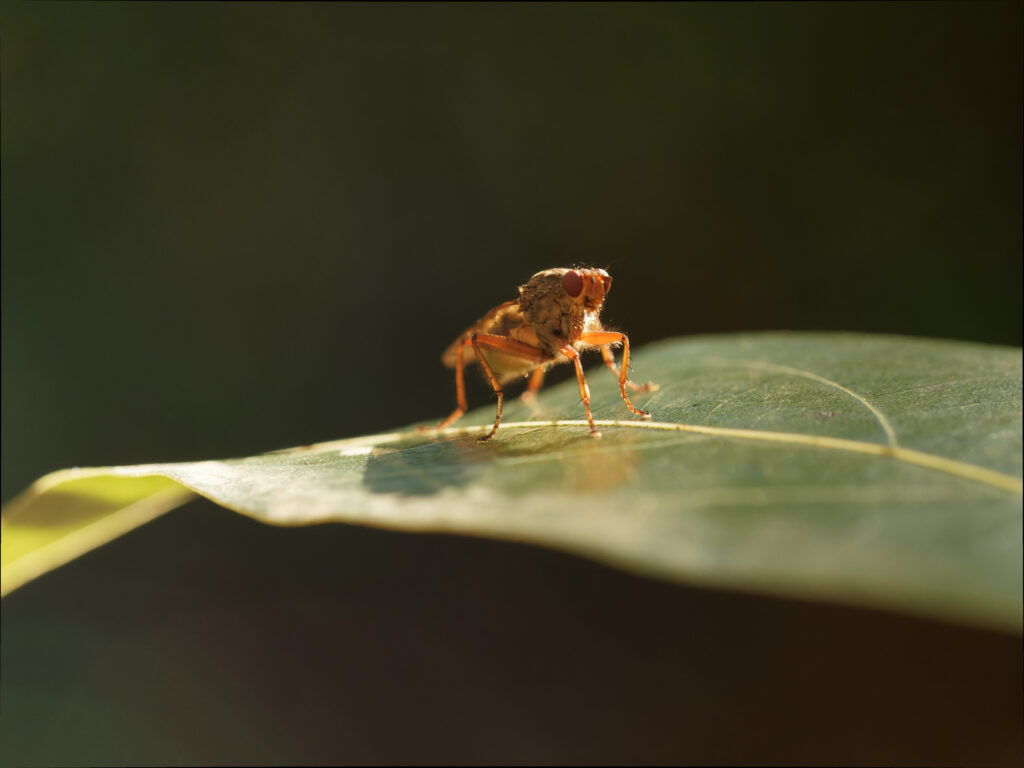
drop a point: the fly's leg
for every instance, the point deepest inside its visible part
(609, 337)
(481, 341)
(609, 360)
(573, 355)
(495, 385)
(536, 379)
(460, 390)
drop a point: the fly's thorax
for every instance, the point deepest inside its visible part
(541, 292)
(556, 317)
(525, 334)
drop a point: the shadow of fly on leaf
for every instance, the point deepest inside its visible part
(556, 316)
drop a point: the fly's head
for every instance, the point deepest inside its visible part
(587, 287)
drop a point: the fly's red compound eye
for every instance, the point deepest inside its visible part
(573, 283)
(607, 283)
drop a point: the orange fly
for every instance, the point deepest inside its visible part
(556, 316)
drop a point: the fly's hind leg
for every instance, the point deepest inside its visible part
(460, 393)
(604, 338)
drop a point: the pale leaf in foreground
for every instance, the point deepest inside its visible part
(869, 470)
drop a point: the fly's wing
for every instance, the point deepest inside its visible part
(496, 321)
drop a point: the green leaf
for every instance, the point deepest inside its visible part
(879, 471)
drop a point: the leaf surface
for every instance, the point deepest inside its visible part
(870, 470)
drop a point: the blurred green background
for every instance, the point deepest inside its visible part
(236, 228)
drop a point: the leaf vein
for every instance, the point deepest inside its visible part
(907, 455)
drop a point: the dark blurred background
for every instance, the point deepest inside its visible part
(230, 229)
(236, 228)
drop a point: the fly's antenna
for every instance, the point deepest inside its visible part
(613, 262)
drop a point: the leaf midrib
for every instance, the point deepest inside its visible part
(933, 461)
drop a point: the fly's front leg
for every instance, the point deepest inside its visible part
(573, 355)
(604, 338)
